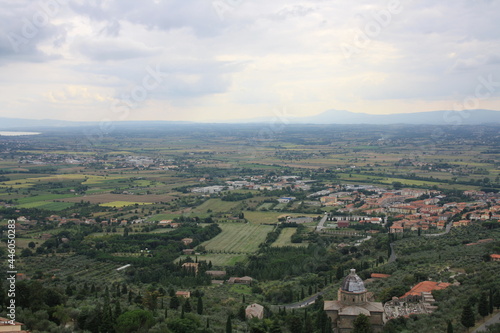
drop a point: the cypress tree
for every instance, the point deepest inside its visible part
(490, 302)
(229, 326)
(482, 307)
(174, 302)
(118, 309)
(496, 299)
(187, 306)
(241, 313)
(340, 273)
(328, 326)
(308, 326)
(449, 329)
(467, 319)
(199, 306)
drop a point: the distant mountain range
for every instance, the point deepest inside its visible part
(443, 117)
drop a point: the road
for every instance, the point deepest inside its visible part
(308, 301)
(321, 223)
(446, 230)
(393, 256)
(493, 320)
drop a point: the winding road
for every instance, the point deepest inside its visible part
(308, 301)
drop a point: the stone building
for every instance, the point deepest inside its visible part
(353, 300)
(254, 311)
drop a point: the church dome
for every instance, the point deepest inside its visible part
(353, 283)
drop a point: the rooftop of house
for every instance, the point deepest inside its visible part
(379, 275)
(426, 286)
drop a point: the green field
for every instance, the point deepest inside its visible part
(238, 238)
(285, 238)
(266, 206)
(270, 217)
(216, 205)
(44, 197)
(48, 205)
(119, 204)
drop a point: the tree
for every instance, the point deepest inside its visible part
(496, 299)
(150, 300)
(490, 302)
(467, 319)
(199, 306)
(229, 326)
(340, 273)
(397, 185)
(242, 313)
(26, 253)
(362, 324)
(31, 245)
(174, 302)
(134, 321)
(449, 329)
(187, 306)
(183, 325)
(483, 307)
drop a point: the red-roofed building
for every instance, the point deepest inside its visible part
(495, 257)
(8, 326)
(379, 276)
(424, 287)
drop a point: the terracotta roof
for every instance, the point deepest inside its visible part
(495, 256)
(380, 275)
(426, 286)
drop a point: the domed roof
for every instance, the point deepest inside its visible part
(353, 283)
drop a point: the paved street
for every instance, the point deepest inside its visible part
(493, 320)
(321, 223)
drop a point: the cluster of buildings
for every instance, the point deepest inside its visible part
(354, 299)
(418, 300)
(257, 183)
(413, 209)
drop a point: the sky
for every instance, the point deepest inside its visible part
(219, 60)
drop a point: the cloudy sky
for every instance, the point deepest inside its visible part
(213, 60)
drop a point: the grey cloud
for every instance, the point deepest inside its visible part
(105, 50)
(23, 27)
(198, 15)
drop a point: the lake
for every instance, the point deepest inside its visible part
(3, 133)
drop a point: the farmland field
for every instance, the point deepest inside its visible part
(238, 238)
(48, 205)
(269, 217)
(110, 197)
(119, 204)
(266, 205)
(284, 238)
(216, 205)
